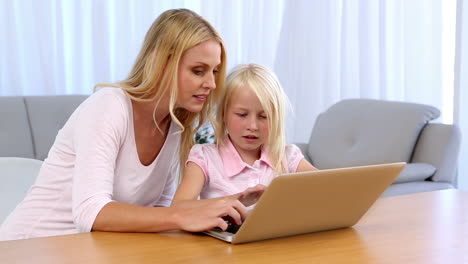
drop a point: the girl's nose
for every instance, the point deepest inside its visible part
(252, 125)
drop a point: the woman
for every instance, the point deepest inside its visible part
(112, 165)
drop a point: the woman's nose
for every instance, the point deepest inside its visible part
(210, 81)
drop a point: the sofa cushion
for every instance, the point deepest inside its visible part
(414, 187)
(48, 114)
(358, 132)
(15, 135)
(414, 172)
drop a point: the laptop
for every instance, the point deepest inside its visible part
(305, 202)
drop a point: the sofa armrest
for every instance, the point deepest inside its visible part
(304, 149)
(439, 144)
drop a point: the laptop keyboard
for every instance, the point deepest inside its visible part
(232, 228)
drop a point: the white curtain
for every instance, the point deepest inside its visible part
(461, 90)
(350, 49)
(66, 47)
(322, 50)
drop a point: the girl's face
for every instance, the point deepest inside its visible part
(246, 122)
(197, 74)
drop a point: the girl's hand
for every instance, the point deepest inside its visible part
(251, 195)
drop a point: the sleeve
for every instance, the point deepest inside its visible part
(99, 129)
(293, 157)
(198, 157)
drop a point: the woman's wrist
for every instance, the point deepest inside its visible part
(171, 218)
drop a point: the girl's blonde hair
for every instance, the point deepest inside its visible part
(156, 67)
(267, 88)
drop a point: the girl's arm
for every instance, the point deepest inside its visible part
(192, 184)
(304, 165)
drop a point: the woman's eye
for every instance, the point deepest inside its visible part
(197, 71)
(241, 114)
(263, 117)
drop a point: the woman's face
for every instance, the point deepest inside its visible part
(197, 74)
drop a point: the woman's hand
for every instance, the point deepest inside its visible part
(196, 216)
(201, 215)
(251, 195)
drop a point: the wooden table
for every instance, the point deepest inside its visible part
(419, 228)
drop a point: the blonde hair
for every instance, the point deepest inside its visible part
(269, 92)
(156, 67)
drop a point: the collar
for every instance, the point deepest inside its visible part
(232, 161)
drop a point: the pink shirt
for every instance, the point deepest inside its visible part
(93, 161)
(226, 173)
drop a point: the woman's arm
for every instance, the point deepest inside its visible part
(98, 135)
(121, 217)
(189, 214)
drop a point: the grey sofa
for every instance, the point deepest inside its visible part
(28, 126)
(358, 132)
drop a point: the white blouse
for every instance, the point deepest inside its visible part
(92, 162)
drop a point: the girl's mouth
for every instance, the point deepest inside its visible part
(250, 138)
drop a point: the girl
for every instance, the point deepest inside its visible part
(250, 149)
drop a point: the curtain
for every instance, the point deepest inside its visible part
(461, 90)
(66, 47)
(358, 49)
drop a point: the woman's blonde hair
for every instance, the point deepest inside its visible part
(269, 92)
(155, 70)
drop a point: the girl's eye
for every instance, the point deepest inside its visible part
(241, 114)
(215, 71)
(263, 117)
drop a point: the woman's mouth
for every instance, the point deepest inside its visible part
(201, 98)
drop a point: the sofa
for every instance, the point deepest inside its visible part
(358, 132)
(30, 123)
